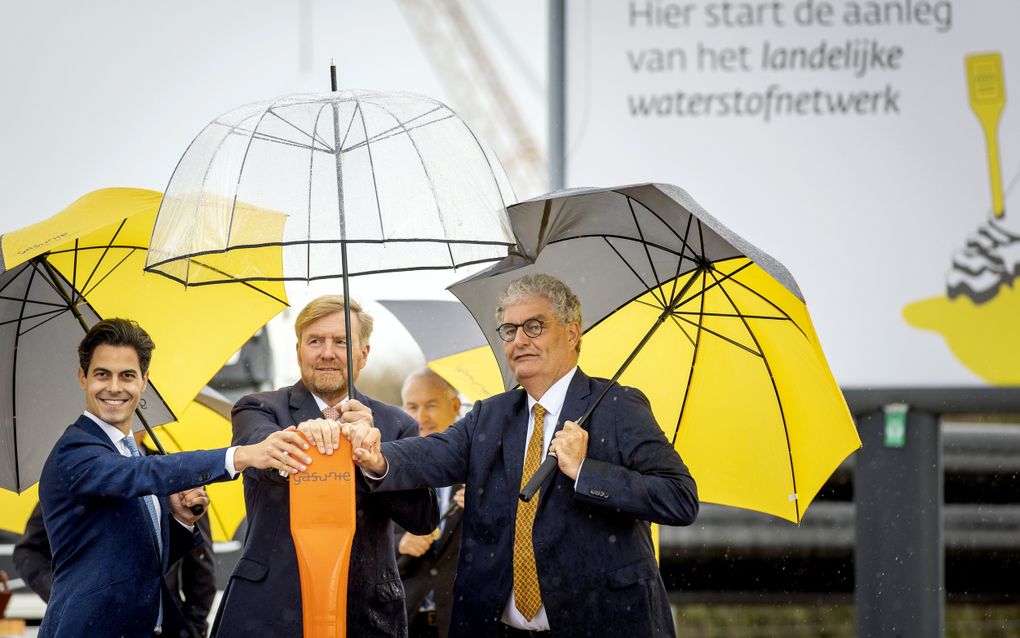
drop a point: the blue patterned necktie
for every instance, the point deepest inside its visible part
(129, 441)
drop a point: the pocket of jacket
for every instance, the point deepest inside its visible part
(632, 573)
(390, 590)
(248, 569)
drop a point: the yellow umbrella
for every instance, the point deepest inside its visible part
(60, 276)
(712, 330)
(16, 508)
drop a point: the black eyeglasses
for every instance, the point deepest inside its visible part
(532, 327)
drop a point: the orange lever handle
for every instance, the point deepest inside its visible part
(322, 523)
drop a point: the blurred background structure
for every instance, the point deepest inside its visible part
(918, 534)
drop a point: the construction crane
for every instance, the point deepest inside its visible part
(454, 49)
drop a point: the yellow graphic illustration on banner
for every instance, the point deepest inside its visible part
(982, 298)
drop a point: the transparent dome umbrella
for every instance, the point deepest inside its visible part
(62, 275)
(713, 330)
(370, 182)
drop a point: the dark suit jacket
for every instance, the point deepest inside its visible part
(107, 574)
(434, 570)
(192, 580)
(593, 549)
(263, 596)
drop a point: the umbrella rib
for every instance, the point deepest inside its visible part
(734, 316)
(95, 268)
(680, 261)
(771, 303)
(723, 337)
(371, 168)
(399, 128)
(48, 314)
(243, 281)
(428, 176)
(393, 133)
(266, 137)
(311, 167)
(649, 289)
(350, 125)
(74, 270)
(641, 234)
(690, 373)
(682, 329)
(108, 273)
(53, 278)
(654, 214)
(665, 249)
(775, 390)
(710, 287)
(312, 136)
(39, 303)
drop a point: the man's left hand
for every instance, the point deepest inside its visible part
(354, 411)
(181, 503)
(570, 446)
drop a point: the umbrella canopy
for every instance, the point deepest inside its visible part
(370, 182)
(61, 276)
(396, 179)
(714, 331)
(453, 345)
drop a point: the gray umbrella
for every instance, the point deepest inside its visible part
(42, 319)
(440, 328)
(713, 330)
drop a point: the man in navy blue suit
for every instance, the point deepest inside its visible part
(577, 560)
(117, 520)
(263, 596)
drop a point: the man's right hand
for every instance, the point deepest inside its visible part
(414, 545)
(283, 450)
(366, 439)
(323, 433)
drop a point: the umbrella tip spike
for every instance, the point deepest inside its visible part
(332, 73)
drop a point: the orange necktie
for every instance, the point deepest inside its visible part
(527, 596)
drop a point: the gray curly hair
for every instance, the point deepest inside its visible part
(566, 306)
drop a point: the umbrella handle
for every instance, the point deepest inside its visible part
(543, 472)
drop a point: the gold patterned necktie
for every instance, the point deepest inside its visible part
(527, 596)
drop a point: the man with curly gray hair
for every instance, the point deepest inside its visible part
(578, 559)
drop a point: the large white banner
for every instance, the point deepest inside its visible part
(868, 145)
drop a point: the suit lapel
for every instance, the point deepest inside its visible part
(92, 428)
(574, 405)
(302, 404)
(514, 430)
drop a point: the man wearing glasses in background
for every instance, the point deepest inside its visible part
(576, 560)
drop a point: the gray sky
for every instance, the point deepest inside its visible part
(110, 92)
